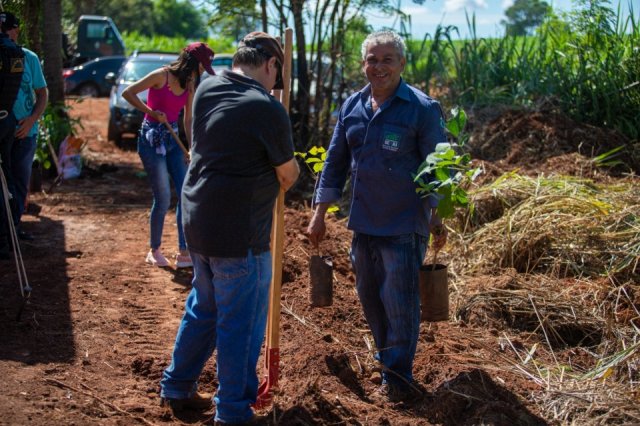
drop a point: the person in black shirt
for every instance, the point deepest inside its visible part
(242, 156)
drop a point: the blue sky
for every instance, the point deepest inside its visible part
(489, 13)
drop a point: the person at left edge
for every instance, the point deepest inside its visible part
(17, 156)
(171, 88)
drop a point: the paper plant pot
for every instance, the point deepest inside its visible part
(321, 274)
(434, 293)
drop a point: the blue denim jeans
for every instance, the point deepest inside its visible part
(159, 169)
(387, 281)
(21, 164)
(7, 130)
(226, 310)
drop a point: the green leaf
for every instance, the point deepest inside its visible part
(318, 167)
(442, 147)
(445, 208)
(476, 172)
(315, 150)
(457, 121)
(461, 196)
(442, 174)
(333, 209)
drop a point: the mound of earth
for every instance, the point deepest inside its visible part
(549, 142)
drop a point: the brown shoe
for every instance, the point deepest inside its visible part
(395, 393)
(199, 401)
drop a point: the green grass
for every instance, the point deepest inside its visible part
(135, 41)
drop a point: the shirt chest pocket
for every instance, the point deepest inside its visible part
(395, 141)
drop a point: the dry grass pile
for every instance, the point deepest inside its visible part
(577, 342)
(559, 225)
(568, 316)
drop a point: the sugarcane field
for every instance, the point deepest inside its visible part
(319, 213)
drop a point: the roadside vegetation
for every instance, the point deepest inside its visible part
(585, 63)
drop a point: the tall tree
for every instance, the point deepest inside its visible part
(128, 15)
(178, 18)
(523, 16)
(52, 49)
(234, 18)
(322, 48)
(32, 21)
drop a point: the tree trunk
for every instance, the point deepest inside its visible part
(32, 25)
(263, 14)
(301, 101)
(52, 49)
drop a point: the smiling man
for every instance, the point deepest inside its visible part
(383, 133)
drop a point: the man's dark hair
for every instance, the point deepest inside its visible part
(250, 57)
(258, 44)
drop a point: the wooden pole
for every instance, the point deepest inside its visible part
(177, 139)
(272, 356)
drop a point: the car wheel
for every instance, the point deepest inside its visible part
(112, 133)
(89, 90)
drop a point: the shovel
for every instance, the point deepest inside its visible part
(272, 355)
(178, 141)
(434, 291)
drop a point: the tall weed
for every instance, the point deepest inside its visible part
(587, 62)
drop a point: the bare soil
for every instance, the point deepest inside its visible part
(99, 327)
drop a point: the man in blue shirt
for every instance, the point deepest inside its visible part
(383, 133)
(17, 155)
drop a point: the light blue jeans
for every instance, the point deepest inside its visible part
(227, 310)
(159, 169)
(387, 281)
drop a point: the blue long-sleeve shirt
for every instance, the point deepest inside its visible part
(383, 150)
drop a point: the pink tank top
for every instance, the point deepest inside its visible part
(165, 100)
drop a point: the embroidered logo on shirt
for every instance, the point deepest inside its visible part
(391, 142)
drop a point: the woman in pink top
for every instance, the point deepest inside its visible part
(171, 89)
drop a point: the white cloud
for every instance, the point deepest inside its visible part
(456, 5)
(506, 4)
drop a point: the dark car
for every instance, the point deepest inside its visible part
(124, 118)
(88, 79)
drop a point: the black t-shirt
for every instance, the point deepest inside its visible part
(240, 133)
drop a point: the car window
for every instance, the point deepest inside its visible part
(222, 63)
(135, 70)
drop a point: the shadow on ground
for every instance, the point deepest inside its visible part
(44, 332)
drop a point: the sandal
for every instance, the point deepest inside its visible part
(183, 260)
(155, 258)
